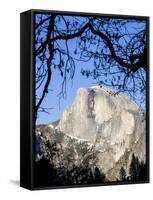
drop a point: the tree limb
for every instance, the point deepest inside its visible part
(51, 54)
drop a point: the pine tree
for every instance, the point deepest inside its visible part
(134, 168)
(122, 174)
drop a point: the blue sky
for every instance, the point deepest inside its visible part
(52, 101)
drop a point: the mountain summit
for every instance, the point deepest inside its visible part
(110, 121)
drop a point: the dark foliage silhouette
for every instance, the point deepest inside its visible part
(138, 170)
(47, 174)
(44, 173)
(123, 174)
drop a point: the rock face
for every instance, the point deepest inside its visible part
(107, 125)
(110, 121)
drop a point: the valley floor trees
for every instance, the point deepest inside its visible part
(46, 173)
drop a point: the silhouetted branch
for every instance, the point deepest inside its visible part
(119, 55)
(50, 35)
